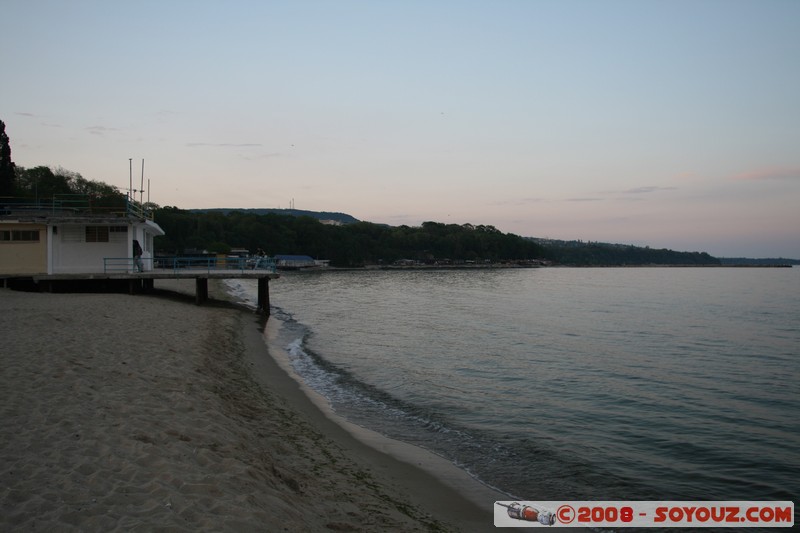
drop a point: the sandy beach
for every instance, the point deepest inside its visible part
(148, 412)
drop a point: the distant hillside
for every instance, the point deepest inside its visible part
(387, 248)
(341, 218)
(344, 245)
(609, 254)
(767, 261)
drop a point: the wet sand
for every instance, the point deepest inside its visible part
(148, 412)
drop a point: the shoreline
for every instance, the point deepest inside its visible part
(443, 470)
(422, 471)
(372, 268)
(148, 411)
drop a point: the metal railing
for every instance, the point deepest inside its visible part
(193, 264)
(125, 264)
(139, 210)
(76, 204)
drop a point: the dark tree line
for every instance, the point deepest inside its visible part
(358, 244)
(46, 183)
(602, 254)
(765, 261)
(364, 243)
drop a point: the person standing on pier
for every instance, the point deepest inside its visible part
(137, 257)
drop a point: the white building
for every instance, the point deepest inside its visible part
(52, 238)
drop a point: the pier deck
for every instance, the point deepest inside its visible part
(144, 281)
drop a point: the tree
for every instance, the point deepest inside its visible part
(6, 165)
(42, 182)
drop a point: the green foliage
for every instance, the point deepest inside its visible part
(44, 182)
(603, 254)
(765, 261)
(219, 248)
(358, 244)
(7, 174)
(319, 215)
(364, 243)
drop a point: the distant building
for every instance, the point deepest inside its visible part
(239, 252)
(292, 262)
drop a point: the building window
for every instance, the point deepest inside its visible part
(19, 235)
(72, 234)
(118, 234)
(96, 233)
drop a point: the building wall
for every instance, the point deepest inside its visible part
(73, 247)
(72, 254)
(23, 257)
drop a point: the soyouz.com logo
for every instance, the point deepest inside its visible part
(644, 514)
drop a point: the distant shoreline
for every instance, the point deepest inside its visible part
(510, 267)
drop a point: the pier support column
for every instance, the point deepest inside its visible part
(263, 295)
(201, 290)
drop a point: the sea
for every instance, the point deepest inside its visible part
(564, 383)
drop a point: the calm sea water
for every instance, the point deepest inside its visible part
(574, 384)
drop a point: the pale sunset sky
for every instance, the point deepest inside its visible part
(673, 124)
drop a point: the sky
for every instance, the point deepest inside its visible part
(669, 124)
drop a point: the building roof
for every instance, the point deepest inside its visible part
(77, 209)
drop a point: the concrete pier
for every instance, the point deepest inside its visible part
(144, 281)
